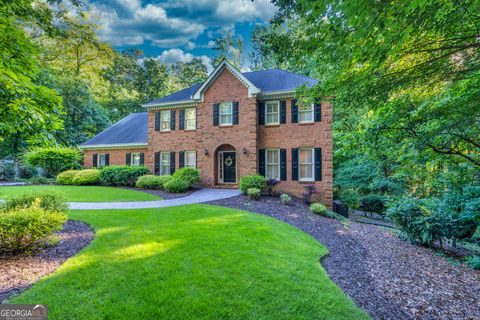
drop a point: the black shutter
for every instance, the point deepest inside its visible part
(128, 158)
(283, 111)
(235, 112)
(181, 159)
(196, 118)
(283, 164)
(107, 159)
(215, 114)
(318, 164)
(317, 111)
(294, 111)
(172, 162)
(157, 163)
(261, 162)
(295, 164)
(181, 119)
(172, 120)
(261, 113)
(94, 160)
(142, 159)
(157, 121)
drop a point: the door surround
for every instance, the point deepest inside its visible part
(220, 166)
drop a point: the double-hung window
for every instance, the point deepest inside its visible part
(190, 159)
(135, 159)
(305, 113)
(102, 160)
(165, 120)
(272, 115)
(306, 164)
(226, 117)
(190, 119)
(164, 163)
(272, 163)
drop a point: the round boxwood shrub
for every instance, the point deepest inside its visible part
(66, 177)
(253, 193)
(285, 199)
(87, 176)
(122, 175)
(252, 181)
(318, 208)
(176, 185)
(164, 180)
(191, 175)
(48, 200)
(149, 182)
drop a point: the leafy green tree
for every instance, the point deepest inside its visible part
(229, 47)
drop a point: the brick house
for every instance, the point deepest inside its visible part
(231, 125)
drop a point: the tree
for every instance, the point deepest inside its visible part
(229, 47)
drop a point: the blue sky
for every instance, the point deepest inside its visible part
(177, 30)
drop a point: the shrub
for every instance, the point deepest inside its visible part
(66, 177)
(175, 185)
(252, 181)
(53, 160)
(285, 199)
(39, 180)
(164, 180)
(48, 200)
(318, 208)
(474, 262)
(122, 175)
(253, 193)
(309, 192)
(373, 203)
(271, 183)
(7, 171)
(87, 176)
(26, 172)
(150, 182)
(191, 175)
(24, 229)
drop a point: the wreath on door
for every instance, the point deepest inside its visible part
(228, 161)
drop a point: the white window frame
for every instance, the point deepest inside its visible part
(220, 114)
(164, 172)
(132, 162)
(300, 112)
(312, 165)
(165, 114)
(99, 160)
(190, 124)
(277, 113)
(185, 158)
(272, 164)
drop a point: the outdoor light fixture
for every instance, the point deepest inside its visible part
(205, 152)
(244, 151)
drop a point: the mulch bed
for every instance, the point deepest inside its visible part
(387, 277)
(163, 194)
(18, 272)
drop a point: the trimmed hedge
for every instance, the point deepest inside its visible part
(66, 177)
(87, 176)
(150, 181)
(48, 200)
(191, 175)
(176, 185)
(252, 181)
(318, 208)
(123, 175)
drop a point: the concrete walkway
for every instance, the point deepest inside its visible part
(203, 195)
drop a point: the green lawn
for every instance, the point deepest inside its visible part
(83, 193)
(192, 262)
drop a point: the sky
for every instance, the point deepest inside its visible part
(177, 30)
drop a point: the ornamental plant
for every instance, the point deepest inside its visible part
(123, 175)
(271, 183)
(252, 181)
(191, 175)
(53, 159)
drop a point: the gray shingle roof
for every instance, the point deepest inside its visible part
(266, 80)
(133, 129)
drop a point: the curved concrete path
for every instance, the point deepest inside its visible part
(203, 195)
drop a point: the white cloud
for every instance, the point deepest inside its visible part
(172, 56)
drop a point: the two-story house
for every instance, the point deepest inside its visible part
(231, 125)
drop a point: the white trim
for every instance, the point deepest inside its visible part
(162, 153)
(225, 64)
(162, 121)
(139, 158)
(312, 105)
(168, 104)
(115, 146)
(185, 159)
(300, 164)
(220, 163)
(278, 164)
(98, 165)
(220, 114)
(266, 113)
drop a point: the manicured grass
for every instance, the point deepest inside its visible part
(192, 262)
(83, 193)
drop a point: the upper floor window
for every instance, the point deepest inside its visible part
(165, 120)
(190, 119)
(135, 159)
(306, 164)
(226, 116)
(190, 159)
(272, 112)
(272, 164)
(164, 163)
(305, 113)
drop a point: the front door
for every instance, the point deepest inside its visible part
(229, 166)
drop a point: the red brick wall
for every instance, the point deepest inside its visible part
(116, 156)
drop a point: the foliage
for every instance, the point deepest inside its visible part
(53, 159)
(251, 181)
(86, 177)
(7, 171)
(271, 183)
(176, 185)
(253, 193)
(310, 190)
(373, 203)
(318, 208)
(473, 262)
(25, 228)
(66, 177)
(47, 200)
(229, 47)
(191, 175)
(38, 179)
(26, 172)
(122, 175)
(149, 181)
(285, 199)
